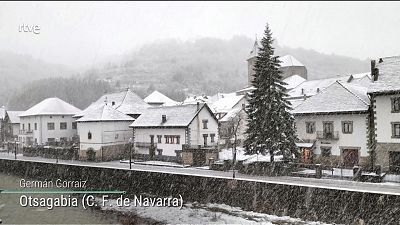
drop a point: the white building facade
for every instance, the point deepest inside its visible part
(162, 131)
(47, 122)
(335, 124)
(105, 131)
(385, 100)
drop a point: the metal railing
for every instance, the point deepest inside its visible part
(25, 132)
(145, 144)
(328, 135)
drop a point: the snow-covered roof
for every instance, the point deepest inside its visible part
(159, 98)
(288, 60)
(226, 102)
(14, 116)
(245, 90)
(231, 114)
(51, 106)
(254, 50)
(388, 75)
(2, 113)
(196, 98)
(126, 102)
(338, 97)
(305, 145)
(176, 116)
(293, 81)
(104, 113)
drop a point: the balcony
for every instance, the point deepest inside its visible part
(328, 136)
(144, 144)
(25, 132)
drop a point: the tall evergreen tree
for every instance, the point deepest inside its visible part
(270, 125)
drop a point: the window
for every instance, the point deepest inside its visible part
(172, 139)
(396, 130)
(152, 139)
(347, 127)
(89, 135)
(328, 128)
(159, 137)
(205, 124)
(326, 152)
(395, 104)
(205, 139)
(212, 136)
(23, 126)
(35, 126)
(310, 127)
(159, 151)
(166, 139)
(29, 126)
(74, 125)
(51, 140)
(63, 126)
(50, 126)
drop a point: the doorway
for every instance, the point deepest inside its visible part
(350, 157)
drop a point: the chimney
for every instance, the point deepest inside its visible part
(164, 118)
(317, 90)
(374, 70)
(198, 105)
(302, 91)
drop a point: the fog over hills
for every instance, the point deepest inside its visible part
(176, 68)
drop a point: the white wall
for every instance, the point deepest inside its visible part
(196, 136)
(358, 139)
(197, 131)
(384, 117)
(41, 134)
(103, 134)
(143, 135)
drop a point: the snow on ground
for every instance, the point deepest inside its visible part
(336, 172)
(155, 163)
(194, 213)
(227, 154)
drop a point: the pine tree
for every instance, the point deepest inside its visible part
(270, 125)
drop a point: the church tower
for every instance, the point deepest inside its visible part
(251, 60)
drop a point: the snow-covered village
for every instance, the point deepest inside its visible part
(201, 131)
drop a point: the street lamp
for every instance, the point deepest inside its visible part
(15, 146)
(130, 152)
(56, 148)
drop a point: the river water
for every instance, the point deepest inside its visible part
(11, 212)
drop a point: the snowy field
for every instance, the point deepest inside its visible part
(193, 213)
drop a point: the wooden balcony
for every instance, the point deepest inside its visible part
(328, 136)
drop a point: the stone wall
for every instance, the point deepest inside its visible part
(107, 153)
(308, 203)
(382, 153)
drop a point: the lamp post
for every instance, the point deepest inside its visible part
(130, 152)
(15, 148)
(56, 148)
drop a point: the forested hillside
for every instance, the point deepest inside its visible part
(80, 92)
(176, 68)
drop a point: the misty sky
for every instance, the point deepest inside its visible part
(81, 34)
